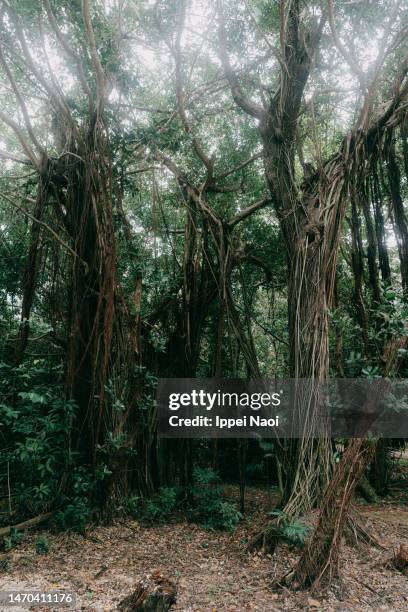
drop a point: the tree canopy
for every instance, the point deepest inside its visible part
(193, 189)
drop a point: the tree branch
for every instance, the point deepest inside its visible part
(243, 164)
(243, 214)
(342, 49)
(45, 226)
(379, 62)
(99, 71)
(275, 51)
(21, 101)
(208, 163)
(18, 160)
(58, 100)
(17, 130)
(250, 107)
(60, 36)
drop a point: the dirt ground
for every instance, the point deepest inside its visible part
(212, 569)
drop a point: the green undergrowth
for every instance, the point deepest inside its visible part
(204, 503)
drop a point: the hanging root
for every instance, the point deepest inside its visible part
(356, 532)
(266, 539)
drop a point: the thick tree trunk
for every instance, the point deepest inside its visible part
(339, 335)
(398, 213)
(31, 269)
(357, 265)
(92, 304)
(307, 462)
(311, 279)
(404, 138)
(384, 260)
(319, 561)
(380, 468)
(310, 282)
(371, 245)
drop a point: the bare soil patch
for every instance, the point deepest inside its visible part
(212, 569)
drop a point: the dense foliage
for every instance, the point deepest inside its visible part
(191, 189)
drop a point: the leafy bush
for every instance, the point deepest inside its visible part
(75, 515)
(157, 508)
(209, 508)
(37, 422)
(42, 545)
(12, 540)
(294, 532)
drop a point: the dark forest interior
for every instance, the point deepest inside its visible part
(196, 189)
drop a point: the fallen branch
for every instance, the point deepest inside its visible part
(5, 531)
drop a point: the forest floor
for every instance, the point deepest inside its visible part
(212, 569)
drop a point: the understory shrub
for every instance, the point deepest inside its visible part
(293, 532)
(208, 506)
(36, 459)
(157, 508)
(13, 539)
(36, 421)
(42, 545)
